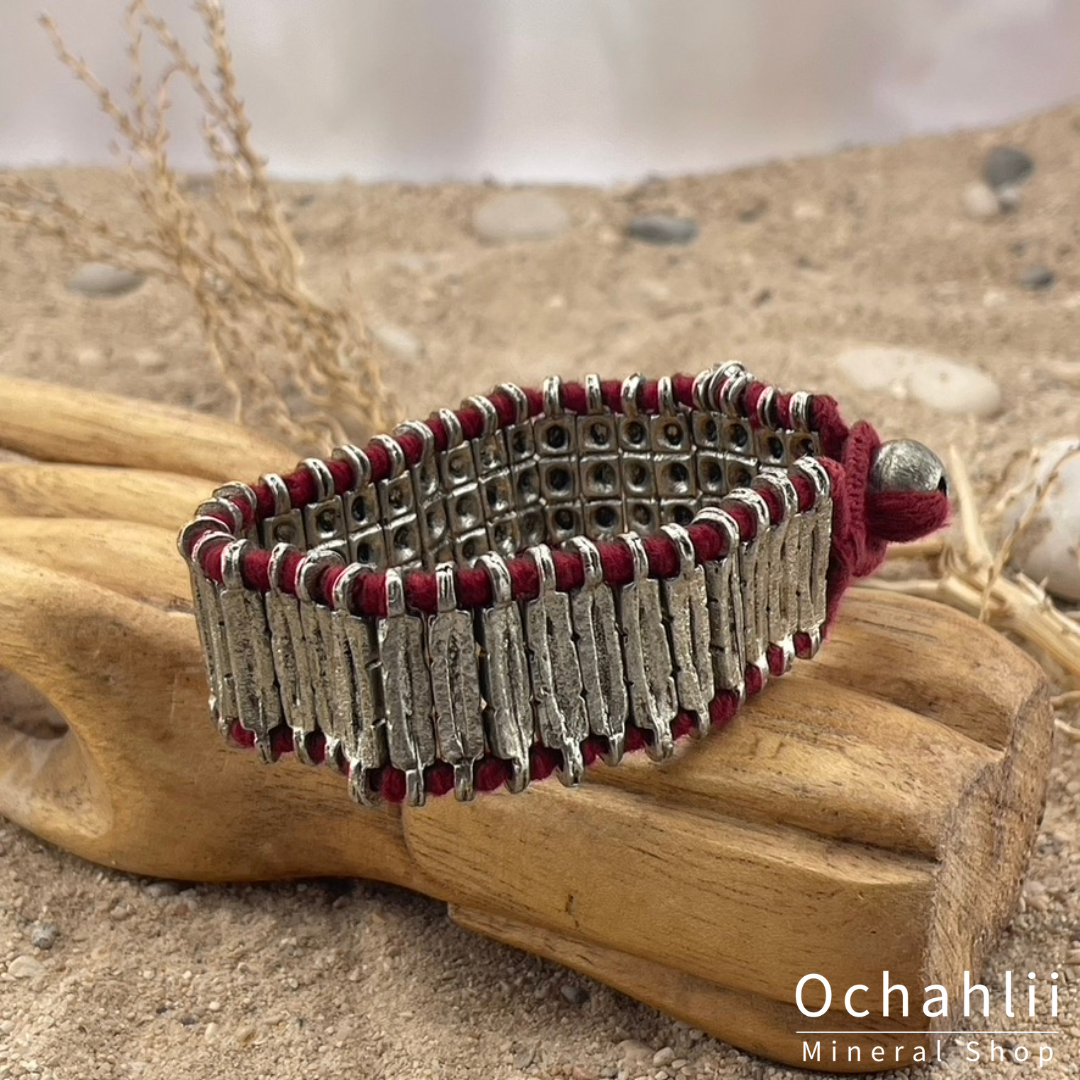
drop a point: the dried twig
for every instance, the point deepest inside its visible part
(966, 573)
(274, 342)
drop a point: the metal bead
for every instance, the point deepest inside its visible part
(906, 465)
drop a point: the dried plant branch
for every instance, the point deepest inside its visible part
(966, 573)
(293, 363)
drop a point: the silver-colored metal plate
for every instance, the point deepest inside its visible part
(365, 747)
(215, 650)
(455, 684)
(556, 677)
(292, 662)
(251, 661)
(286, 528)
(649, 669)
(599, 650)
(504, 676)
(686, 603)
(406, 688)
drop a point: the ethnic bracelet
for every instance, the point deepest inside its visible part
(541, 579)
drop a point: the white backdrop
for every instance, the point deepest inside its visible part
(590, 90)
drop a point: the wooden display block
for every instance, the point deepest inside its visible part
(873, 810)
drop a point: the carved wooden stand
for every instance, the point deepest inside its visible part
(873, 810)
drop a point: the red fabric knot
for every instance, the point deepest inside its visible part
(902, 516)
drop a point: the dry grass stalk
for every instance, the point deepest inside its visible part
(966, 573)
(294, 364)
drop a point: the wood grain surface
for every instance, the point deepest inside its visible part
(873, 810)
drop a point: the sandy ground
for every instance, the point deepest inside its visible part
(795, 262)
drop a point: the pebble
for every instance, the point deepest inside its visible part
(935, 381)
(1037, 277)
(807, 211)
(159, 890)
(398, 342)
(89, 357)
(664, 1056)
(662, 229)
(25, 967)
(523, 1059)
(519, 215)
(1049, 549)
(44, 935)
(100, 279)
(1006, 166)
(980, 201)
(576, 995)
(212, 1031)
(632, 1051)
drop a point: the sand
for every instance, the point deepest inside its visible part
(795, 262)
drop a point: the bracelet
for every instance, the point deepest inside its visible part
(541, 579)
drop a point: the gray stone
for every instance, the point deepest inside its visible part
(662, 229)
(980, 201)
(99, 279)
(1037, 277)
(1049, 547)
(519, 215)
(1005, 166)
(43, 935)
(911, 374)
(576, 995)
(25, 967)
(664, 1056)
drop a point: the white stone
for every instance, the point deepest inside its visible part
(807, 211)
(25, 967)
(1049, 547)
(398, 342)
(100, 279)
(980, 201)
(519, 215)
(664, 1056)
(935, 381)
(89, 357)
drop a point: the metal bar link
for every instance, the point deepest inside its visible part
(292, 659)
(599, 650)
(724, 589)
(258, 702)
(508, 718)
(362, 739)
(754, 571)
(455, 684)
(686, 606)
(406, 685)
(208, 622)
(649, 669)
(317, 632)
(556, 675)
(782, 568)
(813, 586)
